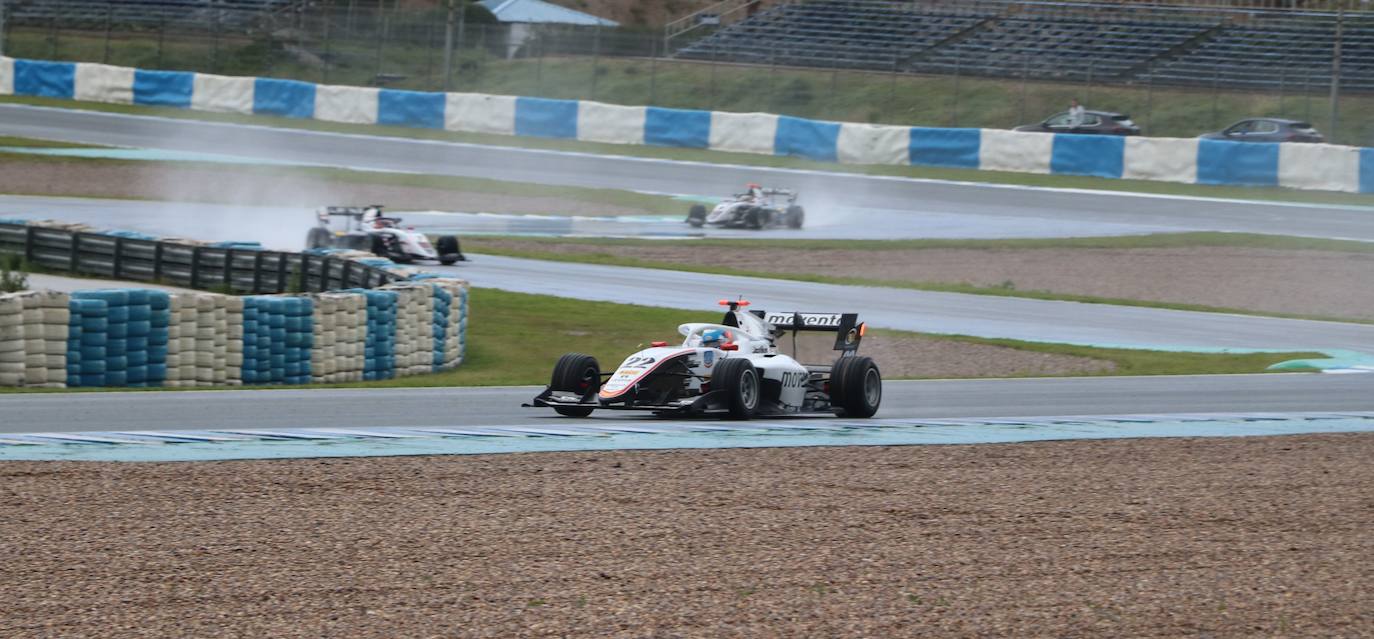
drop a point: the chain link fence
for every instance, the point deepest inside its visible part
(435, 49)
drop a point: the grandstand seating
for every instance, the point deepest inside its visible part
(97, 12)
(1052, 40)
(877, 35)
(1266, 54)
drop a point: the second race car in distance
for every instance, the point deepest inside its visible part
(366, 228)
(755, 208)
(732, 369)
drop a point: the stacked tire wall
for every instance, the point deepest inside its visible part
(34, 339)
(134, 338)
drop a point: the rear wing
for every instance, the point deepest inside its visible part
(849, 331)
(347, 211)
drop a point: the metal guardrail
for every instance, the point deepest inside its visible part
(231, 270)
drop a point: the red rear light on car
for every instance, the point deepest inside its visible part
(658, 344)
(729, 347)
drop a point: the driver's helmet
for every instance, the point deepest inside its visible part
(712, 337)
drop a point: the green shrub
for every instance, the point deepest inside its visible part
(13, 273)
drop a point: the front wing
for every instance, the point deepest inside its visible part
(713, 402)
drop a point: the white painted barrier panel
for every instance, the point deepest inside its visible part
(1160, 159)
(743, 132)
(1015, 151)
(480, 113)
(354, 105)
(597, 122)
(222, 94)
(6, 76)
(104, 83)
(874, 144)
(1328, 167)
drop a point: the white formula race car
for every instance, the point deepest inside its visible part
(366, 228)
(732, 368)
(755, 208)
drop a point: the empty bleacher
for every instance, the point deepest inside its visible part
(1274, 53)
(872, 35)
(205, 13)
(1053, 40)
(1069, 47)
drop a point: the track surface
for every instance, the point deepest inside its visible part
(475, 407)
(588, 170)
(285, 226)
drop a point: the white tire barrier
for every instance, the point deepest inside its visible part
(139, 337)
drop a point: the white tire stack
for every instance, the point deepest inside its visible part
(350, 339)
(12, 346)
(46, 320)
(233, 332)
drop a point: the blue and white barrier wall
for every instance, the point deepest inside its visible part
(147, 338)
(1302, 166)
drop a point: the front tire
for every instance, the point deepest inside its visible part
(696, 216)
(753, 218)
(795, 216)
(740, 382)
(580, 374)
(447, 248)
(856, 387)
(387, 246)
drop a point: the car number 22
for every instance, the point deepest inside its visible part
(637, 361)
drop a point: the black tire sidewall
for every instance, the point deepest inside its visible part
(729, 377)
(571, 370)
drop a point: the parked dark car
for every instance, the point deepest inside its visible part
(1098, 122)
(1267, 130)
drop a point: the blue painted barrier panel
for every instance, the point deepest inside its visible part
(163, 88)
(677, 127)
(1246, 163)
(807, 138)
(45, 79)
(946, 147)
(410, 108)
(287, 98)
(1367, 170)
(544, 118)
(1099, 155)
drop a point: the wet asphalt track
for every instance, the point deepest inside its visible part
(821, 191)
(500, 406)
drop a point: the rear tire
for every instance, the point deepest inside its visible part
(696, 216)
(580, 374)
(795, 216)
(740, 382)
(317, 238)
(856, 387)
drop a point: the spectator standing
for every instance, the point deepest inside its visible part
(1077, 114)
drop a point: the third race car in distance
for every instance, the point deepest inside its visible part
(755, 208)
